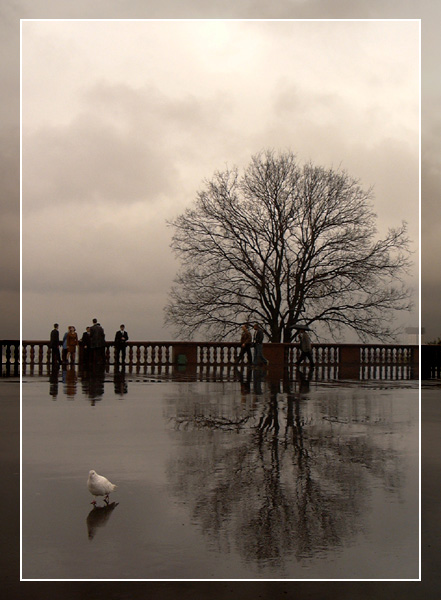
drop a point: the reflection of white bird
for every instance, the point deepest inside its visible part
(99, 486)
(98, 517)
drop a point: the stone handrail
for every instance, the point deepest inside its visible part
(335, 361)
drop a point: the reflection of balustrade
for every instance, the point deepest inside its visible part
(332, 361)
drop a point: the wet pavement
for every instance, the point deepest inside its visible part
(246, 479)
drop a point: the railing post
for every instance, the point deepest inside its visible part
(189, 350)
(349, 363)
(276, 354)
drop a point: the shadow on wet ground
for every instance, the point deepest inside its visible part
(188, 494)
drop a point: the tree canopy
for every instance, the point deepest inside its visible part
(286, 244)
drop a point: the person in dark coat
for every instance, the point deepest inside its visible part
(64, 350)
(258, 345)
(85, 343)
(97, 343)
(121, 337)
(54, 345)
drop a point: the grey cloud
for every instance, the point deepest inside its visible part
(89, 161)
(125, 145)
(105, 252)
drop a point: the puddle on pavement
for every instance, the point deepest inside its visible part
(219, 480)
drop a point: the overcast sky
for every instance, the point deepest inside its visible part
(122, 121)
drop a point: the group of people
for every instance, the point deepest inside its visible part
(68, 345)
(93, 343)
(247, 341)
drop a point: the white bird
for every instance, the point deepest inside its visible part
(99, 486)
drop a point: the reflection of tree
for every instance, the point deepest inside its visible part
(289, 484)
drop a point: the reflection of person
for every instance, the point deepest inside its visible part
(258, 345)
(305, 348)
(245, 345)
(121, 337)
(119, 382)
(54, 344)
(304, 380)
(71, 343)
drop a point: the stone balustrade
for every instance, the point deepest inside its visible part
(333, 361)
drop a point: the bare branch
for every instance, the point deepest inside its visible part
(282, 243)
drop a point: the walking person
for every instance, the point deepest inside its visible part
(121, 337)
(305, 348)
(258, 345)
(54, 345)
(245, 345)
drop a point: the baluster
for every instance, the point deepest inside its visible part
(8, 359)
(16, 358)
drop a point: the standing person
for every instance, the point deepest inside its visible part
(305, 348)
(72, 343)
(258, 345)
(121, 337)
(85, 342)
(54, 345)
(97, 342)
(245, 345)
(64, 351)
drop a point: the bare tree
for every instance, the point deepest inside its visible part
(285, 244)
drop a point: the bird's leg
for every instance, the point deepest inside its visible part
(106, 499)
